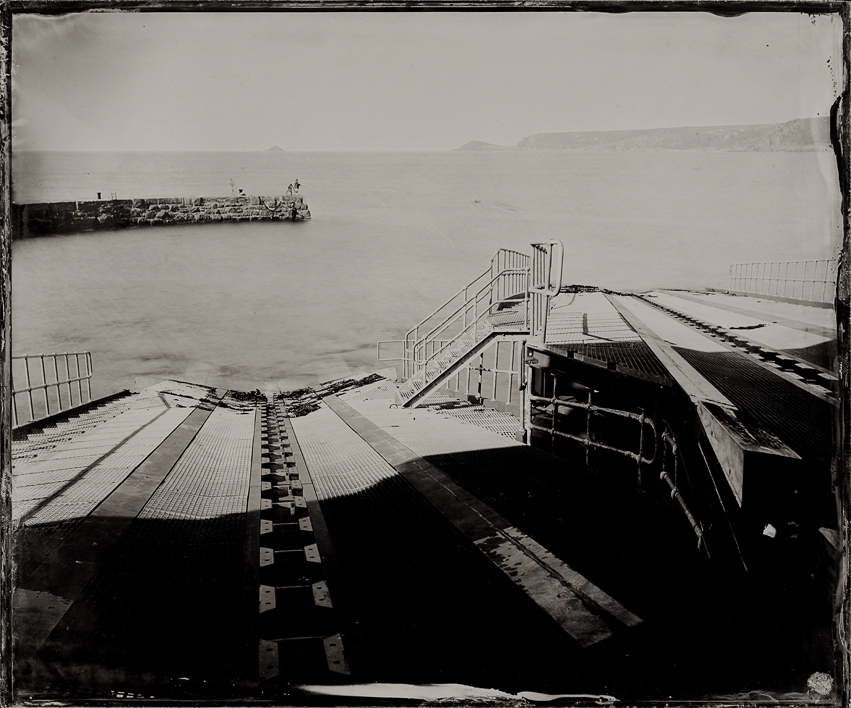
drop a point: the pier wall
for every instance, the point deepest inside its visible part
(102, 214)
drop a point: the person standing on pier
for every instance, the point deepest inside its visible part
(296, 185)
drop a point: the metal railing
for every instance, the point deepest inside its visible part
(671, 480)
(42, 372)
(807, 281)
(506, 277)
(544, 283)
(551, 406)
(433, 346)
(489, 378)
(467, 323)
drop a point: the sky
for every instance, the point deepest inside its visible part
(404, 81)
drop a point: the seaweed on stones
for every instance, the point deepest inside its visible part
(254, 396)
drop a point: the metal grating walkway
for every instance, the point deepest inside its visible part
(427, 431)
(630, 357)
(172, 537)
(803, 421)
(210, 480)
(340, 463)
(586, 318)
(814, 346)
(27, 446)
(404, 561)
(587, 326)
(42, 478)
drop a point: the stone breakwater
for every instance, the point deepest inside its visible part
(103, 214)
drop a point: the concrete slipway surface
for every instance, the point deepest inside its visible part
(188, 543)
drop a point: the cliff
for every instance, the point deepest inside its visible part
(70, 217)
(801, 135)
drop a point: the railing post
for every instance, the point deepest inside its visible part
(79, 378)
(511, 362)
(29, 385)
(554, 403)
(56, 378)
(68, 380)
(640, 445)
(495, 369)
(44, 383)
(588, 432)
(89, 375)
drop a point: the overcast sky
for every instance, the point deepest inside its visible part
(404, 80)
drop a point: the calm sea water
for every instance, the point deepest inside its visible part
(393, 235)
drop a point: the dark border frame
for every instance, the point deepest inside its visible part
(840, 137)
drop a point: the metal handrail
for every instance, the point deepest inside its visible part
(45, 386)
(514, 371)
(415, 329)
(503, 256)
(473, 300)
(541, 285)
(389, 358)
(423, 370)
(396, 341)
(774, 278)
(670, 442)
(551, 288)
(466, 288)
(640, 457)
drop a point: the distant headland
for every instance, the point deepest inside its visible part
(274, 148)
(800, 135)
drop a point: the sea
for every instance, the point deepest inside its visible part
(280, 305)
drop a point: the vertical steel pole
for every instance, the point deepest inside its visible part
(79, 379)
(588, 432)
(511, 362)
(44, 385)
(29, 384)
(798, 278)
(68, 381)
(640, 444)
(89, 376)
(495, 373)
(56, 378)
(813, 284)
(555, 413)
(464, 310)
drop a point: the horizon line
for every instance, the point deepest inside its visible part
(435, 150)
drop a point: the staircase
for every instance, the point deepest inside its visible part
(455, 354)
(504, 301)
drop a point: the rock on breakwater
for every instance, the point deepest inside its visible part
(102, 214)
